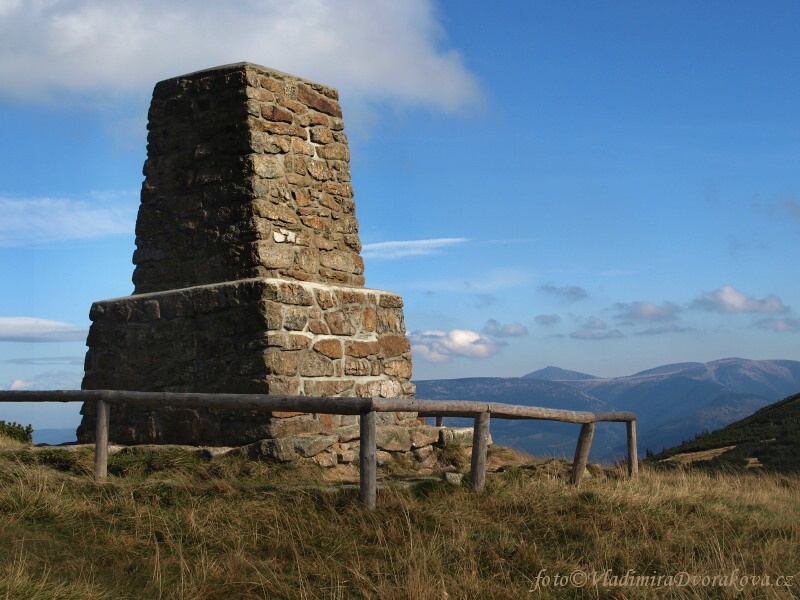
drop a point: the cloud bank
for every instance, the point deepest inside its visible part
(402, 249)
(596, 329)
(780, 325)
(647, 311)
(49, 380)
(31, 329)
(727, 299)
(547, 320)
(672, 328)
(567, 293)
(441, 346)
(496, 329)
(46, 220)
(377, 50)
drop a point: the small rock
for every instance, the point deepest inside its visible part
(326, 459)
(453, 478)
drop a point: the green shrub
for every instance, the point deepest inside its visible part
(17, 432)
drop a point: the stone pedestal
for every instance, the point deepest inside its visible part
(248, 276)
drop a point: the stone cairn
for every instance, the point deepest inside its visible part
(248, 277)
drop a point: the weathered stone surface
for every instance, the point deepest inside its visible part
(398, 368)
(379, 389)
(422, 453)
(458, 435)
(453, 478)
(424, 436)
(393, 439)
(360, 349)
(289, 448)
(289, 426)
(312, 445)
(326, 459)
(248, 277)
(331, 348)
(348, 434)
(209, 158)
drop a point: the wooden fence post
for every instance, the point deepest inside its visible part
(633, 452)
(440, 421)
(480, 444)
(368, 476)
(101, 441)
(582, 452)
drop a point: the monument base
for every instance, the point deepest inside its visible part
(247, 336)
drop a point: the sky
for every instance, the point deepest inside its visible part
(602, 186)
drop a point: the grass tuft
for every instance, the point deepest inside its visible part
(182, 526)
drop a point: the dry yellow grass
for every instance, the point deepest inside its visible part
(178, 527)
(9, 443)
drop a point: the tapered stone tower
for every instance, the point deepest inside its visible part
(248, 275)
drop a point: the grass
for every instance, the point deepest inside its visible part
(770, 435)
(176, 525)
(14, 435)
(7, 442)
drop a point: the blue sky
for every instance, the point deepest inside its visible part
(600, 186)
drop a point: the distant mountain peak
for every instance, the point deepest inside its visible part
(551, 373)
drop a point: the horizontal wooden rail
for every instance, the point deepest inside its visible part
(335, 405)
(481, 412)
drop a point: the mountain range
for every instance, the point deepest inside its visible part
(672, 402)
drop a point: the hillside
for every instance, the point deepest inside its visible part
(180, 526)
(769, 438)
(672, 402)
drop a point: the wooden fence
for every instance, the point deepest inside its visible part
(366, 408)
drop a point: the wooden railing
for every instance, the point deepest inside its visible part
(366, 408)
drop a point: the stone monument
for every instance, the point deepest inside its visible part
(248, 276)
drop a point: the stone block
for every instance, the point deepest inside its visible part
(422, 453)
(423, 436)
(292, 426)
(329, 387)
(326, 459)
(332, 348)
(311, 445)
(458, 435)
(393, 438)
(398, 368)
(453, 478)
(349, 433)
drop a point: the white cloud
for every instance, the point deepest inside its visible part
(647, 311)
(593, 334)
(727, 299)
(547, 320)
(672, 328)
(49, 380)
(440, 346)
(596, 329)
(496, 329)
(566, 293)
(46, 360)
(401, 249)
(595, 323)
(780, 325)
(374, 49)
(31, 329)
(45, 220)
